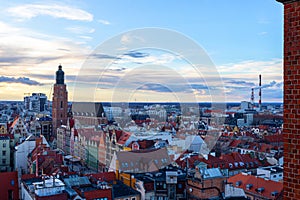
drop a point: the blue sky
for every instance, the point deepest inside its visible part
(242, 38)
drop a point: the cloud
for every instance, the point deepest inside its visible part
(199, 86)
(155, 87)
(241, 83)
(80, 29)
(118, 69)
(263, 33)
(271, 84)
(28, 11)
(251, 68)
(22, 80)
(104, 56)
(136, 54)
(105, 22)
(85, 37)
(263, 21)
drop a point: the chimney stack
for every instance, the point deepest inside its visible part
(259, 103)
(252, 98)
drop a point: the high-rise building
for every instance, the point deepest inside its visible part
(36, 102)
(59, 101)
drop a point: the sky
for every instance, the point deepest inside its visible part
(189, 51)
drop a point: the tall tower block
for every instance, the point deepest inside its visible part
(259, 94)
(59, 101)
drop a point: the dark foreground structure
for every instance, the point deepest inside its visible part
(291, 126)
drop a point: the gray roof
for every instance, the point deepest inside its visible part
(143, 161)
(211, 173)
(87, 109)
(77, 181)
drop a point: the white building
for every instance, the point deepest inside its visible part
(245, 105)
(274, 173)
(45, 188)
(112, 112)
(22, 151)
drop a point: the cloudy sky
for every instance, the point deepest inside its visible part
(200, 50)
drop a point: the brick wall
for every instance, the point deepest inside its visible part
(209, 188)
(59, 106)
(291, 127)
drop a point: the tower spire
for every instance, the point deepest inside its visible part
(60, 76)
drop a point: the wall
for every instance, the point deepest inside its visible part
(291, 127)
(196, 186)
(9, 181)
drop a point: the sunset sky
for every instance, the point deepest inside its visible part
(143, 50)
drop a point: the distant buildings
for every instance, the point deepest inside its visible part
(37, 102)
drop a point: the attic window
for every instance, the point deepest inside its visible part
(238, 183)
(249, 186)
(260, 190)
(274, 194)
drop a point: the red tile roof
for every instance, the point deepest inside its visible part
(105, 176)
(235, 143)
(15, 122)
(28, 176)
(257, 182)
(123, 137)
(274, 138)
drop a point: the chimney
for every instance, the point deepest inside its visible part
(252, 98)
(53, 178)
(259, 102)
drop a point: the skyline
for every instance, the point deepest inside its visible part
(243, 40)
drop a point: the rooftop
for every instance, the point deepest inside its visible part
(258, 186)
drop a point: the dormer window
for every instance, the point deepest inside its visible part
(249, 186)
(238, 183)
(260, 190)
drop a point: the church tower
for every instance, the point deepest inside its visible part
(59, 101)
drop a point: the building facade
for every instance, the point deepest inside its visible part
(37, 102)
(4, 153)
(59, 101)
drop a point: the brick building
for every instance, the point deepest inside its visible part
(291, 127)
(60, 101)
(206, 183)
(9, 185)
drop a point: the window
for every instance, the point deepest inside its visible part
(3, 153)
(61, 104)
(4, 145)
(4, 161)
(133, 198)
